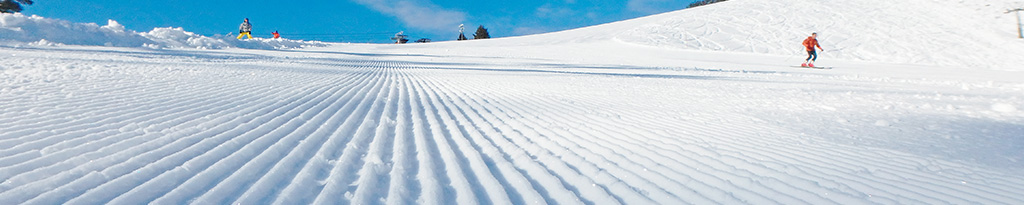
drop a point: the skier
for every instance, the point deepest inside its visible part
(245, 29)
(276, 35)
(812, 55)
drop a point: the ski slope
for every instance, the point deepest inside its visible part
(600, 119)
(974, 34)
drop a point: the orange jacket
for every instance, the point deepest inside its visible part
(810, 43)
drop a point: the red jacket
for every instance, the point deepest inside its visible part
(810, 43)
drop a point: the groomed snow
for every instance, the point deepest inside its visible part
(529, 120)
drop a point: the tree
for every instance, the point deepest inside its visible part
(13, 6)
(481, 33)
(704, 2)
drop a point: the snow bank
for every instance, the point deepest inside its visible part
(36, 30)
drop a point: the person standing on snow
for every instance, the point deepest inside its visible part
(812, 55)
(276, 35)
(245, 29)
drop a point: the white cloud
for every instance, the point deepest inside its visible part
(647, 6)
(419, 14)
(549, 11)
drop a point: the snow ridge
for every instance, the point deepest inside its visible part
(20, 29)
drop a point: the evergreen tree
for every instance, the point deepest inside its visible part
(481, 33)
(13, 6)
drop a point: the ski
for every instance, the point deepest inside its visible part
(816, 67)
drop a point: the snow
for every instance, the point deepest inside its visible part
(597, 115)
(16, 29)
(963, 33)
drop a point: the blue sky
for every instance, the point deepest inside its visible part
(361, 21)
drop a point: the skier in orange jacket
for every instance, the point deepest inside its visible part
(812, 55)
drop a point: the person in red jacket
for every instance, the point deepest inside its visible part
(812, 55)
(276, 35)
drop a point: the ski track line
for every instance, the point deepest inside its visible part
(342, 175)
(559, 193)
(250, 175)
(120, 90)
(401, 188)
(23, 125)
(616, 156)
(251, 161)
(70, 132)
(76, 82)
(527, 186)
(436, 187)
(265, 188)
(347, 109)
(458, 177)
(379, 160)
(82, 150)
(475, 161)
(74, 138)
(90, 170)
(430, 182)
(586, 189)
(106, 114)
(28, 131)
(621, 162)
(217, 162)
(111, 149)
(474, 167)
(597, 161)
(314, 176)
(175, 162)
(555, 112)
(160, 168)
(210, 175)
(518, 187)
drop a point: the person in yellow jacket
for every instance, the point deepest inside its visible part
(245, 29)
